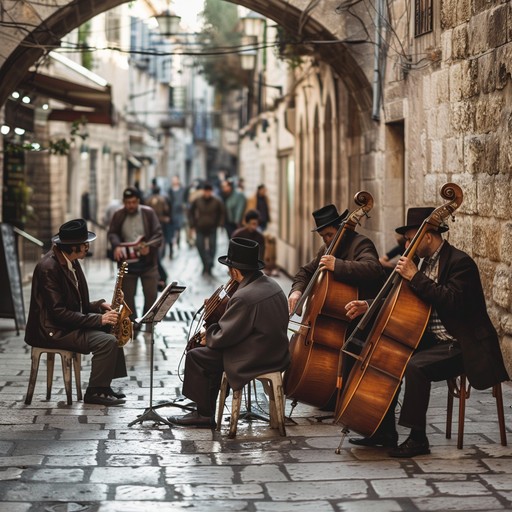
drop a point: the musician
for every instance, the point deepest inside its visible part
(355, 262)
(459, 338)
(250, 338)
(129, 224)
(61, 315)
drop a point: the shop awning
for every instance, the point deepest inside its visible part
(94, 103)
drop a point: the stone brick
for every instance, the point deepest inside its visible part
(455, 82)
(468, 184)
(460, 42)
(441, 85)
(470, 78)
(503, 65)
(502, 286)
(462, 117)
(475, 153)
(485, 195)
(446, 45)
(506, 243)
(462, 11)
(479, 240)
(448, 8)
(487, 72)
(453, 156)
(497, 28)
(477, 34)
(437, 159)
(502, 196)
(487, 273)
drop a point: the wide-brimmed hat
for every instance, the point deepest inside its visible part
(326, 216)
(415, 218)
(243, 255)
(74, 232)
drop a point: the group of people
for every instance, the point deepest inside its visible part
(230, 209)
(251, 338)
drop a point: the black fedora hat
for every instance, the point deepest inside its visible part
(243, 255)
(74, 232)
(415, 217)
(327, 216)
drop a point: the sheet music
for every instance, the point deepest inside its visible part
(162, 304)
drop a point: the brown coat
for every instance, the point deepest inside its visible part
(60, 314)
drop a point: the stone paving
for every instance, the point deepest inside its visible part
(60, 458)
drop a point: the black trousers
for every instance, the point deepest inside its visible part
(432, 362)
(203, 375)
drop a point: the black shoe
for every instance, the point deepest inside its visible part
(102, 399)
(193, 419)
(384, 440)
(411, 448)
(111, 392)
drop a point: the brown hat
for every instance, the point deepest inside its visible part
(243, 255)
(415, 218)
(327, 216)
(74, 232)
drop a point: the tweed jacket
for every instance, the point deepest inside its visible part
(459, 300)
(60, 313)
(357, 264)
(152, 231)
(252, 332)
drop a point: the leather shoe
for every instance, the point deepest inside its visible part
(102, 399)
(411, 448)
(111, 392)
(385, 440)
(193, 419)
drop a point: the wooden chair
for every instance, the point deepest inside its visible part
(69, 360)
(273, 386)
(460, 388)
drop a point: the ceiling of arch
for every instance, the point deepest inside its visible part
(287, 13)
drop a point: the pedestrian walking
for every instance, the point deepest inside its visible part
(206, 215)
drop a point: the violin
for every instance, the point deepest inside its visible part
(212, 310)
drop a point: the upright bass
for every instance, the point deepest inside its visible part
(316, 345)
(399, 319)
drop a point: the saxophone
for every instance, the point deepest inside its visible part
(123, 330)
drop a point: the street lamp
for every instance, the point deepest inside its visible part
(248, 56)
(168, 22)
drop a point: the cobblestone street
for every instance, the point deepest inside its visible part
(60, 458)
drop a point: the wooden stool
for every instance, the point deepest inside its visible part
(273, 386)
(69, 360)
(462, 390)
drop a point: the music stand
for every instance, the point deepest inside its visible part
(154, 315)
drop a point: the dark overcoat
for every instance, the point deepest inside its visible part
(252, 333)
(357, 264)
(60, 314)
(459, 300)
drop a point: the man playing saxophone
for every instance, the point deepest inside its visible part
(61, 315)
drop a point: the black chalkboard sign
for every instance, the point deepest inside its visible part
(11, 299)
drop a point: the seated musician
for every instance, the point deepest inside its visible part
(129, 224)
(249, 339)
(61, 316)
(355, 262)
(459, 337)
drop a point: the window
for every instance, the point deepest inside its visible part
(422, 17)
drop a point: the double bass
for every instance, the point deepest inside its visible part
(212, 310)
(316, 345)
(399, 320)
